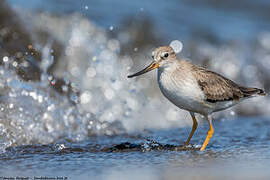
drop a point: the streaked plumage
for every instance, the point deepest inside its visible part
(194, 88)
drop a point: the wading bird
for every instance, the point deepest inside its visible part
(194, 88)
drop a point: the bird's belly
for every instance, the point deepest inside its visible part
(219, 106)
(185, 94)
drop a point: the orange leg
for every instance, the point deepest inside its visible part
(209, 134)
(194, 127)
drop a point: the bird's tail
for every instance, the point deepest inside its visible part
(247, 91)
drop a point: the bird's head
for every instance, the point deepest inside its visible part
(162, 56)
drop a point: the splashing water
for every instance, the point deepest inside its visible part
(32, 112)
(107, 102)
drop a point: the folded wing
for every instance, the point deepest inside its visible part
(218, 88)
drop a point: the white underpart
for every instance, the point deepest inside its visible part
(219, 106)
(184, 93)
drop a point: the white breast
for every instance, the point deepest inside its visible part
(182, 89)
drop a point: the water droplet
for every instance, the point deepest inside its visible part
(109, 93)
(5, 59)
(177, 46)
(85, 97)
(33, 95)
(94, 58)
(40, 98)
(51, 107)
(15, 64)
(11, 105)
(60, 147)
(64, 88)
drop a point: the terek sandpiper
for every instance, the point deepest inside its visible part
(194, 88)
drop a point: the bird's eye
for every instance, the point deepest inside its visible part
(166, 54)
(153, 56)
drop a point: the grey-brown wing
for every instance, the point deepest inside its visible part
(216, 87)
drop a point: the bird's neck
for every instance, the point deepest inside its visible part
(168, 68)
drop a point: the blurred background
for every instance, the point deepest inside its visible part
(63, 77)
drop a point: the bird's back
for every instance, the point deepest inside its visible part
(219, 88)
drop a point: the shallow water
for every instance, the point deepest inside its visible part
(239, 148)
(80, 117)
